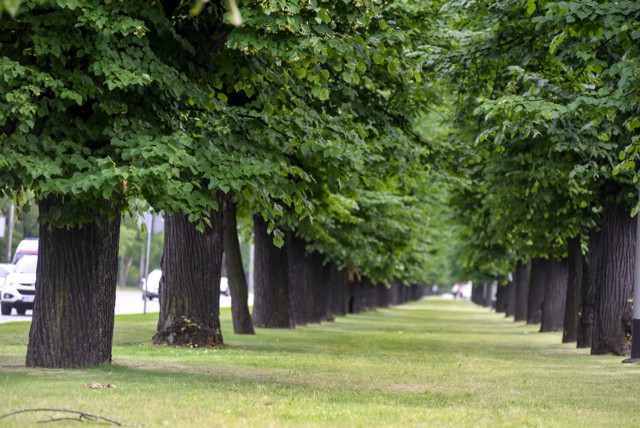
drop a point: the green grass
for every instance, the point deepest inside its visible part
(430, 363)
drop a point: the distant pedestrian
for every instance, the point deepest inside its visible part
(456, 290)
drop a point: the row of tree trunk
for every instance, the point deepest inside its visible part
(73, 317)
(294, 287)
(586, 296)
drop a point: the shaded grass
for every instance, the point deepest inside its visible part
(430, 363)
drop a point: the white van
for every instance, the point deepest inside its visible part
(26, 246)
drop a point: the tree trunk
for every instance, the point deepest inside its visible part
(406, 294)
(369, 294)
(476, 294)
(383, 296)
(590, 267)
(574, 283)
(555, 292)
(502, 296)
(242, 323)
(511, 299)
(301, 295)
(523, 274)
(317, 281)
(75, 297)
(395, 293)
(270, 279)
(612, 326)
(539, 269)
(417, 292)
(357, 295)
(189, 292)
(338, 290)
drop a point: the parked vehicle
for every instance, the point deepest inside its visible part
(224, 286)
(26, 246)
(5, 270)
(19, 288)
(153, 286)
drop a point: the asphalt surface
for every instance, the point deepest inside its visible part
(127, 302)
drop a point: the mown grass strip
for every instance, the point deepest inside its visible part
(431, 363)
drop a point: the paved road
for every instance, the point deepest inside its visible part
(127, 302)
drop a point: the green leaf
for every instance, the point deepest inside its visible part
(531, 6)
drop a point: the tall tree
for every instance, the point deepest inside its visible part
(75, 290)
(238, 286)
(612, 322)
(555, 291)
(271, 287)
(85, 102)
(539, 269)
(574, 288)
(190, 284)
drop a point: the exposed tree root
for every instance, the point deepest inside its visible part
(187, 333)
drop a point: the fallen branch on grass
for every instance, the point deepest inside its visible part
(80, 416)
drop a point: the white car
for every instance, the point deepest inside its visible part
(5, 270)
(224, 286)
(19, 288)
(28, 246)
(151, 291)
(153, 286)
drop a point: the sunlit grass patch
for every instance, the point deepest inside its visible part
(430, 363)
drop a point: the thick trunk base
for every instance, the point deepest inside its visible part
(271, 282)
(190, 285)
(555, 293)
(186, 333)
(523, 276)
(572, 306)
(612, 326)
(539, 269)
(75, 291)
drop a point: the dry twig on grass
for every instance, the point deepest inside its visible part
(79, 416)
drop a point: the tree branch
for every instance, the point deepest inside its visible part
(80, 416)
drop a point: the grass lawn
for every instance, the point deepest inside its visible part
(430, 363)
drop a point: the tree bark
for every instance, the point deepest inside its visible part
(189, 292)
(612, 326)
(511, 299)
(590, 267)
(476, 294)
(369, 294)
(75, 297)
(539, 269)
(356, 297)
(502, 298)
(337, 290)
(574, 284)
(317, 281)
(523, 274)
(242, 323)
(417, 291)
(555, 292)
(270, 279)
(396, 293)
(301, 296)
(383, 296)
